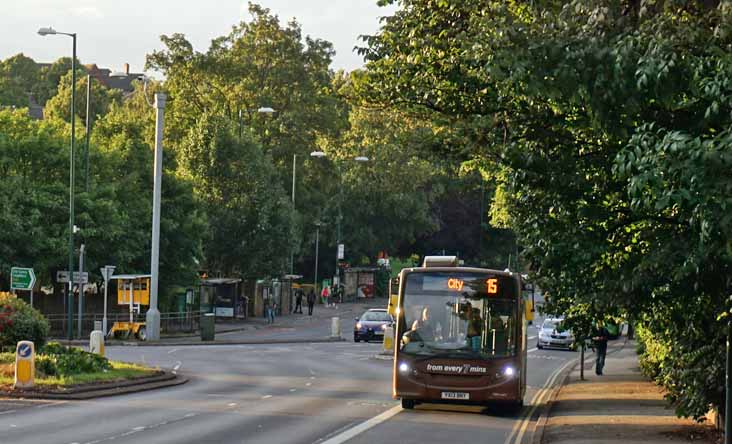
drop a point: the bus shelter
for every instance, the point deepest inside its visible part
(222, 297)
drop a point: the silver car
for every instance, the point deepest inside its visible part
(551, 334)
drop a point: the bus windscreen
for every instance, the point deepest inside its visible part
(471, 315)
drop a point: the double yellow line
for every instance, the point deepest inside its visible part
(519, 429)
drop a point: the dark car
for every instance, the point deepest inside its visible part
(371, 325)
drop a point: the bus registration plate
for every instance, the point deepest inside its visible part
(456, 395)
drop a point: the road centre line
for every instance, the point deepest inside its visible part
(357, 430)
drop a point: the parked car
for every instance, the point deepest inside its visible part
(552, 334)
(371, 325)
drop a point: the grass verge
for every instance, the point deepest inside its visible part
(120, 371)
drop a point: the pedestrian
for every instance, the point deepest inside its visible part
(600, 341)
(269, 310)
(298, 301)
(311, 302)
(325, 294)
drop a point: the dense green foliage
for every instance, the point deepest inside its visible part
(20, 322)
(58, 360)
(606, 127)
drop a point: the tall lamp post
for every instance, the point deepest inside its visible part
(70, 301)
(152, 317)
(260, 110)
(339, 252)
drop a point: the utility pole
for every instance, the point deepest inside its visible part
(88, 133)
(82, 251)
(292, 248)
(152, 318)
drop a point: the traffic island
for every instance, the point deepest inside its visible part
(155, 379)
(59, 372)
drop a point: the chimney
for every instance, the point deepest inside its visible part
(127, 68)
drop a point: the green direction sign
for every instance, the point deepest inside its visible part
(22, 278)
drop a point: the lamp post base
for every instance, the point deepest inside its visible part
(152, 324)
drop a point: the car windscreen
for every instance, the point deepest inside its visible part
(376, 316)
(464, 314)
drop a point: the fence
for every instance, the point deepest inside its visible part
(170, 323)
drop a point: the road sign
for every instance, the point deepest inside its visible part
(22, 278)
(107, 272)
(341, 251)
(62, 277)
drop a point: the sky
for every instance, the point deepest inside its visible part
(112, 32)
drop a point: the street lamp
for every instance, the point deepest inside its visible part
(260, 110)
(152, 317)
(339, 253)
(70, 298)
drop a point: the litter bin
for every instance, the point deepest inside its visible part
(208, 328)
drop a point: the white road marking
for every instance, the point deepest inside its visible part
(531, 337)
(293, 390)
(232, 404)
(139, 429)
(531, 350)
(177, 365)
(536, 402)
(266, 396)
(172, 351)
(357, 430)
(308, 384)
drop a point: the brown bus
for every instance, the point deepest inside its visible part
(461, 336)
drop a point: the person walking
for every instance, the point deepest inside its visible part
(298, 301)
(325, 294)
(311, 302)
(600, 340)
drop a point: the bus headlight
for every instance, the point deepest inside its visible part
(509, 371)
(403, 367)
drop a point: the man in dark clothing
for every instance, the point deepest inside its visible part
(600, 340)
(298, 301)
(311, 302)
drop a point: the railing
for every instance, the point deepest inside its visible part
(170, 323)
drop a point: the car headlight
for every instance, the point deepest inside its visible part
(358, 325)
(383, 326)
(509, 371)
(543, 335)
(403, 367)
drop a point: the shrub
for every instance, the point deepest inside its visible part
(20, 322)
(57, 360)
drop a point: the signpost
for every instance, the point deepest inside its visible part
(107, 272)
(62, 277)
(23, 279)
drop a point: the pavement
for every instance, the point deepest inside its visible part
(620, 406)
(256, 330)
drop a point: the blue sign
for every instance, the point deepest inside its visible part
(24, 350)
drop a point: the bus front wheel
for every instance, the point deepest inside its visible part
(408, 403)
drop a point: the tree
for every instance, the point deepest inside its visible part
(18, 75)
(237, 184)
(605, 125)
(59, 106)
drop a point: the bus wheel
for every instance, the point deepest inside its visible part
(517, 406)
(142, 334)
(408, 404)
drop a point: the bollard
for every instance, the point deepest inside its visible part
(98, 326)
(335, 327)
(388, 340)
(25, 364)
(96, 342)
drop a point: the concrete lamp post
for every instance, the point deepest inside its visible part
(152, 317)
(72, 228)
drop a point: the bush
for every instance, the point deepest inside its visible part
(20, 322)
(57, 360)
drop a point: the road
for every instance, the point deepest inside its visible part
(279, 393)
